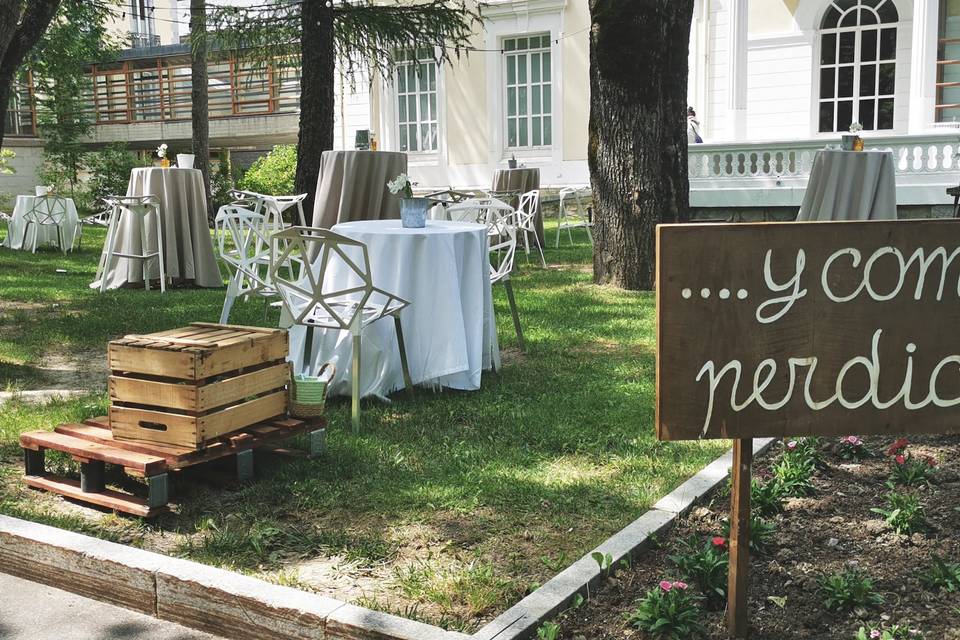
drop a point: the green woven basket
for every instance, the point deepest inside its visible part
(308, 396)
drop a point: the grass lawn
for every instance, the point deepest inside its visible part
(448, 507)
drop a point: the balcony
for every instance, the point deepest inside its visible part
(144, 40)
(775, 174)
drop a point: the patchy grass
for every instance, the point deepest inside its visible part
(445, 506)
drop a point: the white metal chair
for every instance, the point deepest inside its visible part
(272, 207)
(5, 219)
(243, 243)
(572, 220)
(526, 214)
(139, 209)
(46, 211)
(502, 227)
(313, 305)
(480, 210)
(101, 219)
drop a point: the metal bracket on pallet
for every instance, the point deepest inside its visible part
(244, 465)
(318, 442)
(33, 462)
(158, 491)
(91, 476)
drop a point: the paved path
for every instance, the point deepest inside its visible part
(31, 611)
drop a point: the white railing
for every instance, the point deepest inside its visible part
(775, 173)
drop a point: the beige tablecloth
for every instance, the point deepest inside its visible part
(850, 185)
(187, 244)
(520, 180)
(353, 186)
(47, 234)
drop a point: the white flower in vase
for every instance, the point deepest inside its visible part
(401, 186)
(162, 151)
(856, 128)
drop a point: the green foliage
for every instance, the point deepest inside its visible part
(274, 173)
(766, 498)
(848, 589)
(941, 575)
(761, 532)
(852, 448)
(910, 471)
(705, 563)
(903, 512)
(792, 475)
(221, 181)
(603, 560)
(110, 170)
(883, 632)
(808, 450)
(548, 631)
(6, 155)
(668, 611)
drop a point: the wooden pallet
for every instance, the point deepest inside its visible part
(93, 445)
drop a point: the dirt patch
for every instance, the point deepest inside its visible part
(816, 536)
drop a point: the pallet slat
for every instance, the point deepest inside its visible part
(108, 498)
(147, 464)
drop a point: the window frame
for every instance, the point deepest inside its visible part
(856, 65)
(505, 86)
(425, 57)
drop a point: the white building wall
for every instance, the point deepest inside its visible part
(717, 118)
(778, 88)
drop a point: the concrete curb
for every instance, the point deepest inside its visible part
(206, 598)
(522, 620)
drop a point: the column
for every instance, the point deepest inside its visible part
(737, 87)
(923, 66)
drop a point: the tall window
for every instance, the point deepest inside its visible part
(142, 27)
(948, 63)
(529, 106)
(417, 100)
(858, 50)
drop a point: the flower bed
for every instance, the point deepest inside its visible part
(853, 539)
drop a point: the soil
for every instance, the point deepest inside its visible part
(816, 536)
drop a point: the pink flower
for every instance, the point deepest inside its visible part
(792, 445)
(900, 459)
(853, 441)
(719, 541)
(931, 462)
(898, 446)
(666, 585)
(875, 633)
(680, 584)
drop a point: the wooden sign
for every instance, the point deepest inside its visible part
(785, 329)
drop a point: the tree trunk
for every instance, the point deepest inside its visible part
(18, 34)
(317, 56)
(199, 112)
(638, 142)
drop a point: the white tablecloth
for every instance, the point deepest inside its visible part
(850, 185)
(187, 247)
(449, 328)
(48, 234)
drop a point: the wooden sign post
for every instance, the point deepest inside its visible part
(792, 329)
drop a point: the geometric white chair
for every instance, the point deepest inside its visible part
(272, 207)
(138, 210)
(480, 210)
(313, 303)
(243, 243)
(46, 211)
(571, 220)
(526, 211)
(502, 229)
(101, 219)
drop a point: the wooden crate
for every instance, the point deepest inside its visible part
(188, 386)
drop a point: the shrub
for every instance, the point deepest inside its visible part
(766, 497)
(705, 563)
(941, 575)
(904, 513)
(110, 171)
(792, 474)
(274, 173)
(761, 532)
(852, 448)
(847, 590)
(6, 155)
(668, 611)
(807, 450)
(221, 181)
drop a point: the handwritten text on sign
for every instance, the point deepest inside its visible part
(808, 328)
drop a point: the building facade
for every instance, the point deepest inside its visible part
(772, 81)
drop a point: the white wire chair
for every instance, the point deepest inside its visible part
(46, 211)
(139, 210)
(572, 220)
(479, 210)
(6, 219)
(526, 214)
(101, 219)
(313, 305)
(243, 242)
(272, 207)
(502, 227)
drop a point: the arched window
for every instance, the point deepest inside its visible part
(858, 50)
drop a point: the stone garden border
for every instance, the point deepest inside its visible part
(241, 607)
(522, 619)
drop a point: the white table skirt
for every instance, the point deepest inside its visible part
(48, 233)
(449, 328)
(850, 185)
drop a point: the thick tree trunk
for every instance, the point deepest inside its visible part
(18, 34)
(199, 113)
(638, 143)
(317, 55)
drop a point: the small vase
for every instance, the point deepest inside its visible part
(847, 141)
(858, 144)
(413, 212)
(164, 163)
